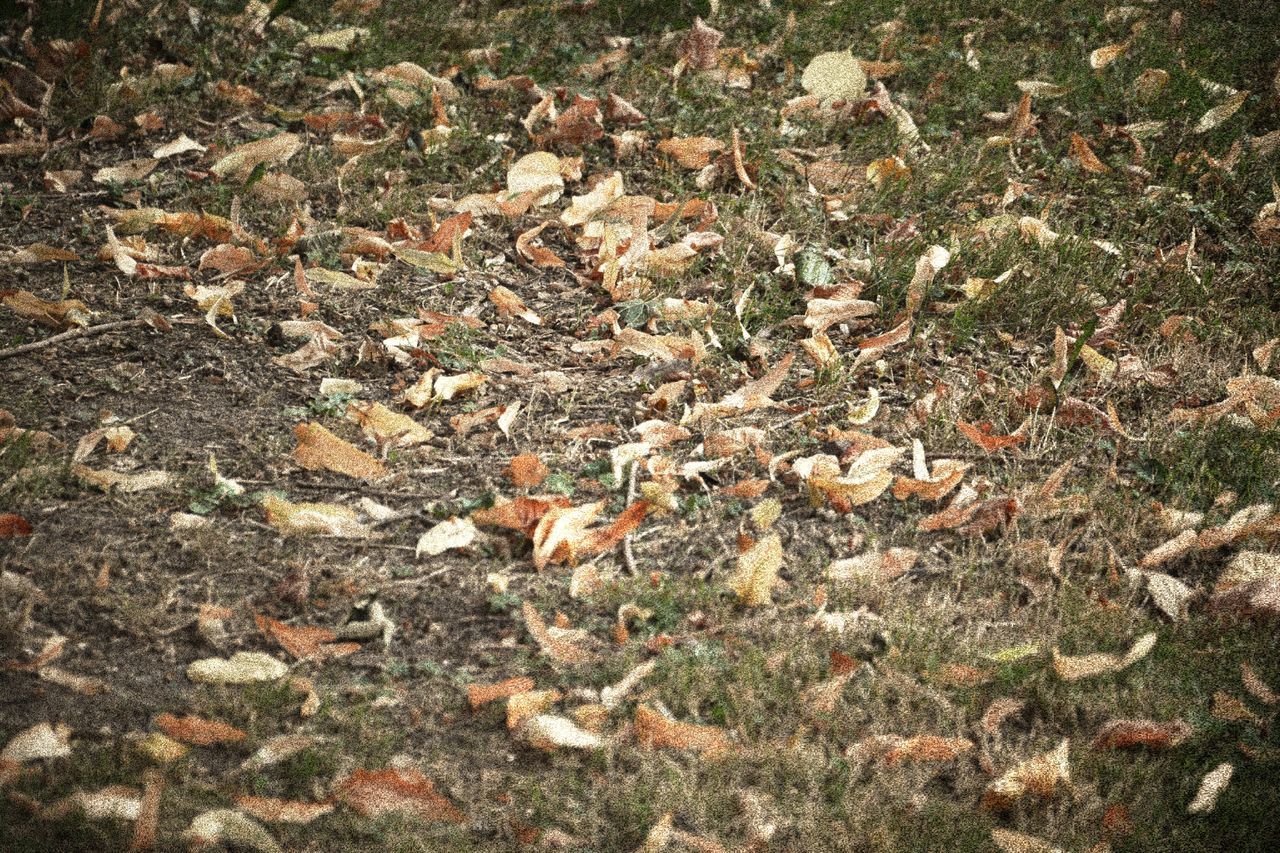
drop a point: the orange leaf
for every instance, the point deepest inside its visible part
(928, 748)
(556, 648)
(144, 829)
(273, 810)
(303, 641)
(13, 525)
(527, 471)
(981, 435)
(1083, 154)
(1123, 734)
(197, 730)
(318, 448)
(372, 793)
(479, 695)
(653, 729)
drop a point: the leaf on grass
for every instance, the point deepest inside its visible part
(1107, 54)
(537, 174)
(13, 525)
(874, 567)
(530, 703)
(757, 571)
(318, 448)
(1220, 113)
(834, 75)
(983, 435)
(445, 536)
(377, 792)
(655, 730)
(144, 830)
(930, 486)
(927, 748)
(1084, 156)
(1019, 842)
(181, 145)
(274, 810)
(479, 695)
(1211, 787)
(228, 826)
(1037, 776)
(527, 471)
(691, 152)
(998, 711)
(40, 741)
(338, 279)
(278, 749)
(198, 731)
(1071, 668)
(304, 518)
(240, 668)
(558, 648)
(1125, 734)
(125, 173)
(1257, 687)
(243, 159)
(551, 731)
(1169, 594)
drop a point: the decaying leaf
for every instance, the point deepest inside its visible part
(318, 448)
(1037, 776)
(228, 826)
(1124, 734)
(1220, 113)
(757, 571)
(307, 518)
(551, 731)
(834, 75)
(557, 647)
(655, 730)
(198, 731)
(376, 792)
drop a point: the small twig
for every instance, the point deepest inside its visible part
(71, 334)
(627, 556)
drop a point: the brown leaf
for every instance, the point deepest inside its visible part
(304, 642)
(927, 748)
(1084, 156)
(554, 647)
(197, 730)
(1124, 734)
(982, 435)
(699, 50)
(479, 695)
(13, 525)
(144, 828)
(757, 571)
(654, 730)
(274, 810)
(373, 793)
(318, 448)
(691, 152)
(1037, 776)
(527, 471)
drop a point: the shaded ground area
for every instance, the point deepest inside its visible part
(607, 426)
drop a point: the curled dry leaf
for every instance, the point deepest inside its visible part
(927, 748)
(278, 749)
(1107, 54)
(1211, 787)
(655, 730)
(306, 518)
(304, 642)
(243, 159)
(1037, 776)
(1257, 687)
(691, 152)
(240, 668)
(555, 647)
(198, 731)
(874, 566)
(377, 792)
(1220, 113)
(318, 448)
(1070, 668)
(982, 434)
(536, 175)
(230, 827)
(386, 427)
(511, 305)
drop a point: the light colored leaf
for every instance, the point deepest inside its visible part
(241, 668)
(445, 536)
(1211, 787)
(834, 75)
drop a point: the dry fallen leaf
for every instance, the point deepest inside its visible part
(318, 448)
(1211, 787)
(1220, 113)
(198, 731)
(1071, 668)
(1038, 776)
(1124, 734)
(376, 792)
(228, 826)
(445, 536)
(654, 730)
(757, 571)
(240, 668)
(834, 75)
(306, 518)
